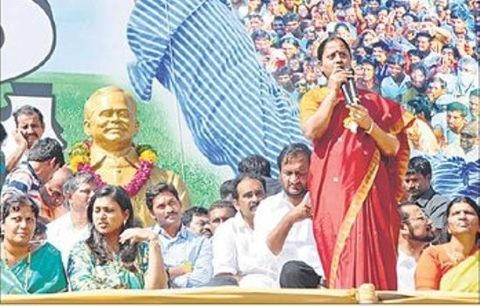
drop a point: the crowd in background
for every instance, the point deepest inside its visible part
(421, 54)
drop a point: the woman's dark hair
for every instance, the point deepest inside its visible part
(321, 47)
(445, 236)
(96, 241)
(12, 202)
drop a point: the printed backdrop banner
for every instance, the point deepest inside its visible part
(56, 53)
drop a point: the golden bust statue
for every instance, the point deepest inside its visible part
(110, 120)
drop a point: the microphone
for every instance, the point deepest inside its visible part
(349, 90)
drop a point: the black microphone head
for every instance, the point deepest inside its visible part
(351, 70)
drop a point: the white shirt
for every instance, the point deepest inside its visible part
(62, 235)
(299, 243)
(406, 266)
(234, 248)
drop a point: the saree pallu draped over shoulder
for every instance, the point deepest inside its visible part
(355, 191)
(464, 277)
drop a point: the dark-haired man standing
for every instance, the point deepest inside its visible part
(418, 185)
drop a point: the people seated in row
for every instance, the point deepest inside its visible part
(117, 254)
(187, 256)
(27, 266)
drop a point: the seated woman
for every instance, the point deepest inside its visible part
(26, 266)
(115, 255)
(453, 266)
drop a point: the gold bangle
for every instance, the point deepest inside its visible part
(370, 129)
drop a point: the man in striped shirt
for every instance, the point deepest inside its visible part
(44, 158)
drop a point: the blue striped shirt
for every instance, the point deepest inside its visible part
(201, 52)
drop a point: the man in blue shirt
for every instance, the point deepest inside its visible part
(188, 257)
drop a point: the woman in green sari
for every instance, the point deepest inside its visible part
(116, 255)
(26, 267)
(453, 266)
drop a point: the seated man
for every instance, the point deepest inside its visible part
(52, 196)
(234, 247)
(196, 220)
(44, 158)
(73, 226)
(219, 212)
(187, 257)
(416, 233)
(284, 223)
(29, 129)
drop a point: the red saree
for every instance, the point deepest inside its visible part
(354, 192)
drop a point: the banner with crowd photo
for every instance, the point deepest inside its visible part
(204, 100)
(208, 102)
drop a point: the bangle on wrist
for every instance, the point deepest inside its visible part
(370, 129)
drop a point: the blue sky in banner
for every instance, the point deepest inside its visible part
(91, 37)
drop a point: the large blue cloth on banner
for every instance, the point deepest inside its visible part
(200, 51)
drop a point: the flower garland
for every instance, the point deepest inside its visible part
(80, 162)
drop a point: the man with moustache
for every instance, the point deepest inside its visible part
(187, 256)
(29, 129)
(418, 185)
(416, 233)
(219, 212)
(110, 121)
(284, 222)
(196, 220)
(234, 247)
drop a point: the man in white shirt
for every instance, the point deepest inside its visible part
(235, 251)
(73, 226)
(416, 232)
(283, 221)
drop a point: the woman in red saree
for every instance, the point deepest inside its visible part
(355, 175)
